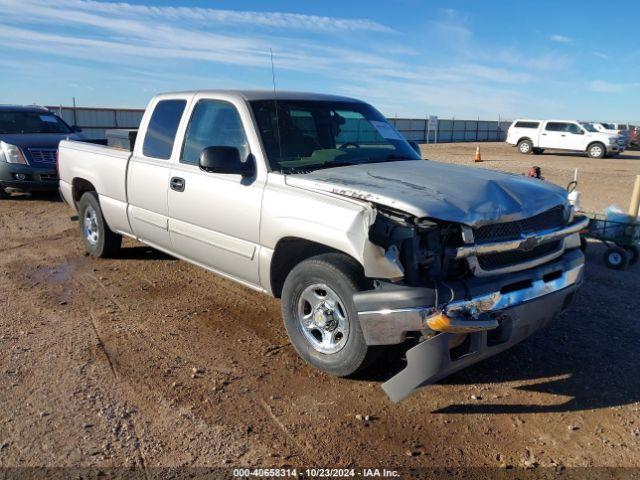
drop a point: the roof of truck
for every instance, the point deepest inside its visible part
(268, 95)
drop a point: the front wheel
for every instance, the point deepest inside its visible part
(98, 238)
(597, 150)
(319, 315)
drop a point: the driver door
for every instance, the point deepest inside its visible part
(575, 137)
(214, 219)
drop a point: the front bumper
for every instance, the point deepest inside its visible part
(35, 179)
(511, 308)
(616, 148)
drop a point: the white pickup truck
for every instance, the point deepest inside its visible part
(534, 136)
(318, 200)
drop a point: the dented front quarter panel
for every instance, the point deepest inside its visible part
(328, 219)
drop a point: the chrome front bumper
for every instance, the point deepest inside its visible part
(389, 326)
(516, 304)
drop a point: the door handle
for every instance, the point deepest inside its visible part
(177, 184)
(544, 134)
(563, 135)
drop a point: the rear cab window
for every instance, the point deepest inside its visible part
(162, 128)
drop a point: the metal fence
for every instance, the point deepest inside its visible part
(451, 130)
(96, 121)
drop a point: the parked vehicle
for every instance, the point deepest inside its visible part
(612, 129)
(317, 200)
(29, 138)
(534, 136)
(634, 137)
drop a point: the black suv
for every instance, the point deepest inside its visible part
(29, 138)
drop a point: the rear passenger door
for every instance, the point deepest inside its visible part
(215, 218)
(554, 135)
(149, 169)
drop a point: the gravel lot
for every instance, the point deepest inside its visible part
(147, 361)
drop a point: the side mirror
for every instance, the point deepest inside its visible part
(76, 129)
(226, 160)
(415, 147)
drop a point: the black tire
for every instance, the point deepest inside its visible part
(525, 147)
(634, 253)
(616, 258)
(538, 151)
(596, 150)
(98, 239)
(342, 276)
(3, 194)
(584, 244)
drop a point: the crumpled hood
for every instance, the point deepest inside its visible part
(456, 193)
(37, 140)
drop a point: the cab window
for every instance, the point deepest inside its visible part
(573, 128)
(214, 123)
(556, 127)
(162, 128)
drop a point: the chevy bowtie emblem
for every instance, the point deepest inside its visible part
(529, 244)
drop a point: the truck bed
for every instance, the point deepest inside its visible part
(103, 167)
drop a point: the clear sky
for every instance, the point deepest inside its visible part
(541, 58)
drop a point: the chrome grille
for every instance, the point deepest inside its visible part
(44, 155)
(498, 232)
(513, 257)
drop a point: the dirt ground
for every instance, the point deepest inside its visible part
(148, 361)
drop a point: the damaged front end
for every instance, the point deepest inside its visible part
(467, 292)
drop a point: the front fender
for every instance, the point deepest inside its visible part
(336, 222)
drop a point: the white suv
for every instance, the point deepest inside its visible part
(534, 136)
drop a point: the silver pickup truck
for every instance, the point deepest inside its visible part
(317, 200)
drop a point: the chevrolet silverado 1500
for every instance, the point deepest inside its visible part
(316, 199)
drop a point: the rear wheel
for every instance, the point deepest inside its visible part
(319, 315)
(597, 150)
(616, 258)
(525, 147)
(98, 238)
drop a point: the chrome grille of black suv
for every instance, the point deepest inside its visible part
(498, 232)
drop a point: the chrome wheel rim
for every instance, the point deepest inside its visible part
(524, 147)
(323, 319)
(90, 225)
(596, 151)
(615, 258)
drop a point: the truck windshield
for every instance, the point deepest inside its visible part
(588, 127)
(17, 122)
(307, 135)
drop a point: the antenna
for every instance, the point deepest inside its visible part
(275, 102)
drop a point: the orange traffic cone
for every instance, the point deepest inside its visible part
(477, 158)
